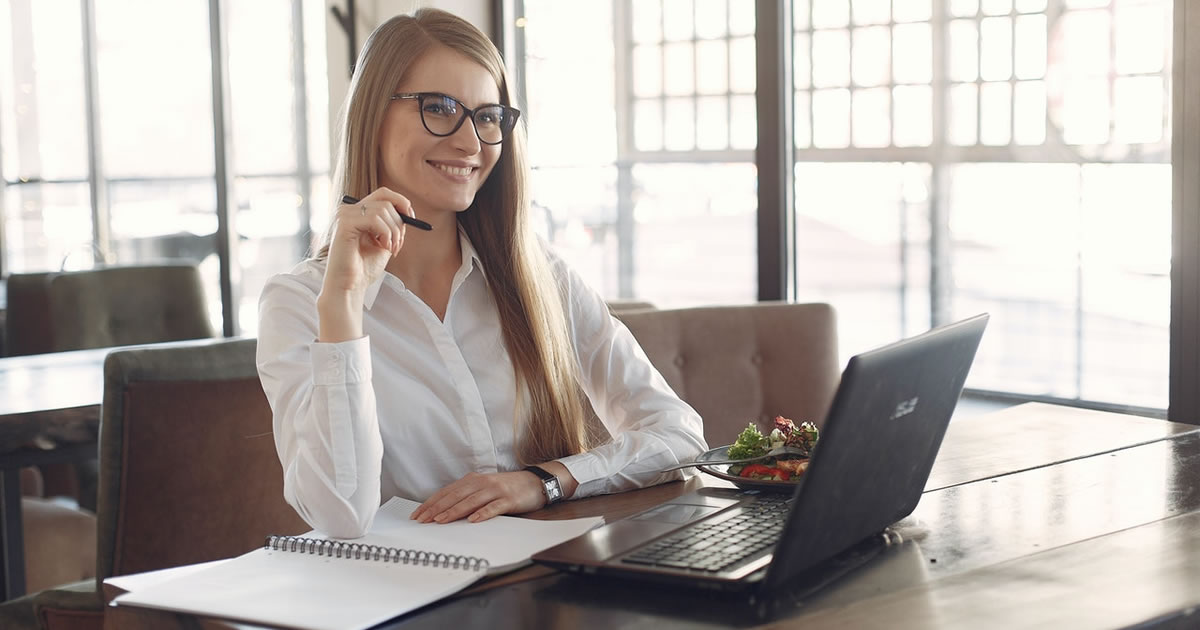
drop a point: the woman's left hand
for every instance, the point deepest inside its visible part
(480, 496)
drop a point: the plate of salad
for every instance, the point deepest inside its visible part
(774, 473)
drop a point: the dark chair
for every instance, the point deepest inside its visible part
(736, 364)
(188, 469)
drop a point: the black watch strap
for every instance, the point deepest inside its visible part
(550, 485)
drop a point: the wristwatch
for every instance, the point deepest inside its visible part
(550, 486)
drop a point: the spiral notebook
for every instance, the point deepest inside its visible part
(315, 583)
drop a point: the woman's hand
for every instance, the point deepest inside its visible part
(366, 235)
(479, 497)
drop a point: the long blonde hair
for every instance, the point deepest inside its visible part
(519, 278)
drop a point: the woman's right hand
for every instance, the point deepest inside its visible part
(366, 235)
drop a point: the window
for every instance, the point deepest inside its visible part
(642, 131)
(1009, 156)
(107, 149)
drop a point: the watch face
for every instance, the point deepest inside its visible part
(553, 492)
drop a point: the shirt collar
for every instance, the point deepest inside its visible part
(470, 262)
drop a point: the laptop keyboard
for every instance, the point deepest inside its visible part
(713, 547)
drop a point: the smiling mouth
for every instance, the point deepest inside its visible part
(458, 171)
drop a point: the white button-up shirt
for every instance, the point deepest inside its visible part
(419, 402)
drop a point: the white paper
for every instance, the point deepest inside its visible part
(139, 581)
(312, 592)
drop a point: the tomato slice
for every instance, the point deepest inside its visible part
(762, 471)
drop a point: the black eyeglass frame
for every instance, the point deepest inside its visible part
(510, 113)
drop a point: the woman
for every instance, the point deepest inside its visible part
(448, 366)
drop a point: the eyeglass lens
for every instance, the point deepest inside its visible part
(442, 114)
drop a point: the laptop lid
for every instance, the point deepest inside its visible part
(878, 444)
(877, 448)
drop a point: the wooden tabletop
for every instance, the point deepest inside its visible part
(49, 399)
(1036, 516)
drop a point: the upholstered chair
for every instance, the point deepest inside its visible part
(188, 469)
(737, 364)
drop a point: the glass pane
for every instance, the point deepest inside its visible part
(712, 62)
(680, 124)
(690, 212)
(852, 240)
(744, 123)
(831, 58)
(995, 113)
(677, 19)
(679, 72)
(1085, 39)
(964, 8)
(261, 92)
(912, 11)
(711, 18)
(963, 114)
(270, 230)
(872, 117)
(871, 48)
(742, 78)
(1026, 279)
(831, 118)
(914, 124)
(577, 210)
(996, 49)
(646, 18)
(801, 65)
(872, 11)
(316, 81)
(912, 53)
(741, 18)
(1086, 4)
(830, 13)
(47, 227)
(1085, 115)
(964, 47)
(712, 122)
(647, 125)
(802, 125)
(1029, 121)
(800, 11)
(1126, 283)
(1031, 6)
(1141, 32)
(647, 70)
(997, 7)
(155, 108)
(43, 122)
(1031, 53)
(1139, 106)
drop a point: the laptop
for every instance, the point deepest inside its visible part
(867, 471)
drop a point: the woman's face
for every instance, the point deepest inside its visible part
(438, 174)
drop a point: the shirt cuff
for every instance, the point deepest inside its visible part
(345, 362)
(589, 471)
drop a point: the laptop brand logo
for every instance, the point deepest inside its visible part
(904, 408)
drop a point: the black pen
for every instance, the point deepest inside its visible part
(417, 223)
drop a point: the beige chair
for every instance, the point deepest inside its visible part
(188, 470)
(737, 364)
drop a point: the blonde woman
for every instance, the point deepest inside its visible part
(449, 366)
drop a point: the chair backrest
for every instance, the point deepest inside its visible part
(27, 314)
(736, 364)
(116, 306)
(188, 465)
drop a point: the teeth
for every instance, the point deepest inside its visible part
(461, 172)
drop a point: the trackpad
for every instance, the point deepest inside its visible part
(677, 513)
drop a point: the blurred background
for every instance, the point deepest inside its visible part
(947, 157)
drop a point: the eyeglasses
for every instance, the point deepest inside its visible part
(442, 115)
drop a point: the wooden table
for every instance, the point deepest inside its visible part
(1036, 516)
(49, 412)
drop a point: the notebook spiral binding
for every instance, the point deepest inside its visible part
(359, 551)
